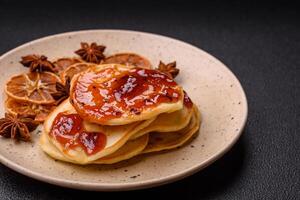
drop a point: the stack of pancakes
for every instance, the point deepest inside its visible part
(115, 112)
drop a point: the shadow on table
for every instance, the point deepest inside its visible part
(212, 181)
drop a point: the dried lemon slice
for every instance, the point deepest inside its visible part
(38, 111)
(33, 87)
(131, 59)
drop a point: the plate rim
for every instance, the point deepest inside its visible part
(138, 184)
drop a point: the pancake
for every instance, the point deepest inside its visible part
(127, 151)
(164, 141)
(157, 142)
(116, 94)
(82, 141)
(129, 59)
(50, 149)
(170, 122)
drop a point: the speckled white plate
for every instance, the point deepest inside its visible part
(209, 83)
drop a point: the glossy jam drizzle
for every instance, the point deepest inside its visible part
(110, 93)
(187, 101)
(68, 130)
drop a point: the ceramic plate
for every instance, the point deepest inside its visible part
(209, 83)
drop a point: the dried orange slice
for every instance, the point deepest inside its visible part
(128, 59)
(33, 87)
(63, 63)
(39, 111)
(74, 69)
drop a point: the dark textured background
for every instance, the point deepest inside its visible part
(259, 42)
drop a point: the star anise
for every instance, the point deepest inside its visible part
(37, 63)
(62, 91)
(169, 69)
(17, 127)
(91, 53)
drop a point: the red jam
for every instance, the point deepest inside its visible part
(68, 130)
(187, 101)
(111, 93)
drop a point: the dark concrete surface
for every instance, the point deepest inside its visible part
(260, 43)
